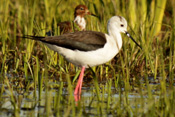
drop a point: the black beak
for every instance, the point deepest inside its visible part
(93, 15)
(132, 39)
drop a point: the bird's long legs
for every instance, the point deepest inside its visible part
(77, 91)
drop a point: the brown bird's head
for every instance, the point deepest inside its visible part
(82, 10)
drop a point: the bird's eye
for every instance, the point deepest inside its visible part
(82, 8)
(121, 25)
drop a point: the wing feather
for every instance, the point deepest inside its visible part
(82, 40)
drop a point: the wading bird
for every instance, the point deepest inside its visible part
(79, 23)
(88, 48)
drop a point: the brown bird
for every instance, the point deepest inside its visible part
(79, 23)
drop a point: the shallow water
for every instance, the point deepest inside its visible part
(111, 101)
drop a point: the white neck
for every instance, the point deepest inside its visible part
(115, 34)
(80, 21)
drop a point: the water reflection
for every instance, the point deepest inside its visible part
(59, 101)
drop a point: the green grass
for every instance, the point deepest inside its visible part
(135, 83)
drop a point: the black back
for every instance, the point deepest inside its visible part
(82, 40)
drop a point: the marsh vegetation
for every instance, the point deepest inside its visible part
(36, 81)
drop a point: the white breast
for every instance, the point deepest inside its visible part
(80, 21)
(89, 58)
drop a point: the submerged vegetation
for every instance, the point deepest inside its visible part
(36, 81)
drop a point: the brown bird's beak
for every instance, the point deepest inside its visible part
(89, 13)
(93, 15)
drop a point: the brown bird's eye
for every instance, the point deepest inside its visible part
(121, 25)
(82, 8)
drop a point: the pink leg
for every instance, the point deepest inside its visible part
(80, 81)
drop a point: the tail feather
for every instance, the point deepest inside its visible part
(31, 37)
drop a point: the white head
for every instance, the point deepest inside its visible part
(118, 24)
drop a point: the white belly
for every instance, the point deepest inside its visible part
(88, 58)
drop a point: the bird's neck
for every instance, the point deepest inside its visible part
(80, 21)
(115, 34)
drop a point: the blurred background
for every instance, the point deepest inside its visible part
(36, 81)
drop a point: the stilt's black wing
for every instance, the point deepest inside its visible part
(82, 40)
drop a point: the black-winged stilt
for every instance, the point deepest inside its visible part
(88, 48)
